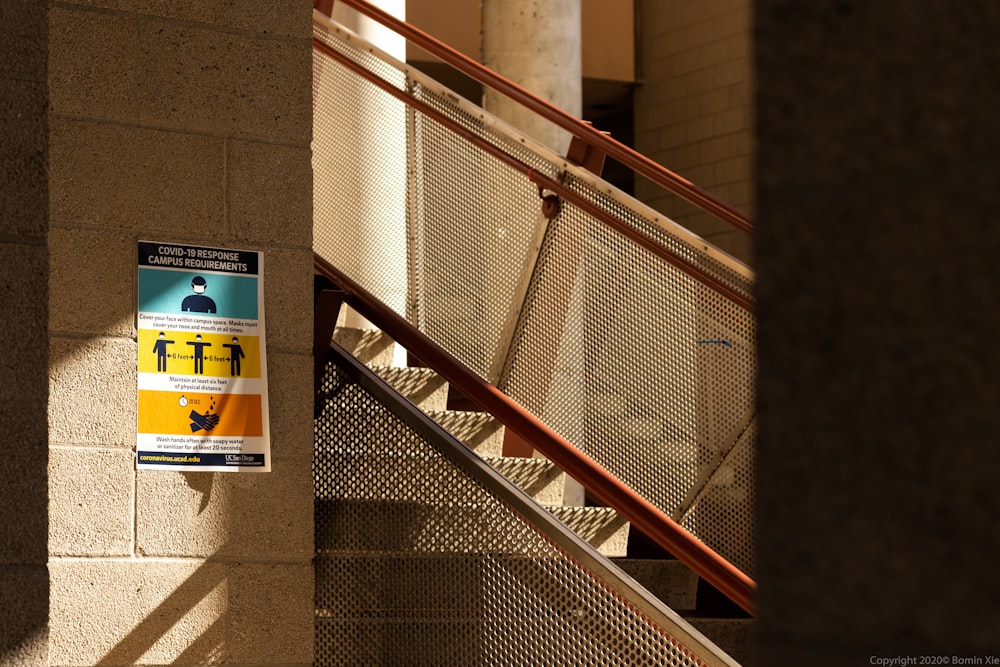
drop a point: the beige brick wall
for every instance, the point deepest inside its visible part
(187, 121)
(694, 109)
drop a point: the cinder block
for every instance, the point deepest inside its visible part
(92, 396)
(92, 282)
(714, 101)
(733, 170)
(92, 63)
(732, 120)
(137, 178)
(225, 83)
(284, 17)
(24, 45)
(271, 614)
(270, 193)
(288, 298)
(243, 515)
(24, 194)
(200, 11)
(90, 502)
(290, 396)
(699, 129)
(23, 494)
(126, 612)
(24, 615)
(24, 325)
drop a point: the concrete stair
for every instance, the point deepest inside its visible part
(668, 579)
(540, 478)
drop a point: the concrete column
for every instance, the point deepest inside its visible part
(24, 305)
(191, 123)
(368, 233)
(535, 43)
(877, 258)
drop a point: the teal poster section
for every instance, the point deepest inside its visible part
(172, 291)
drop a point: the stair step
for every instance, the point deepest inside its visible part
(422, 603)
(539, 478)
(421, 386)
(376, 525)
(371, 347)
(601, 527)
(415, 641)
(480, 431)
(400, 470)
(670, 580)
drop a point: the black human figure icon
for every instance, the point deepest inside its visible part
(160, 348)
(198, 302)
(199, 354)
(235, 354)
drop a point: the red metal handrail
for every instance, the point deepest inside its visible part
(544, 181)
(709, 565)
(629, 157)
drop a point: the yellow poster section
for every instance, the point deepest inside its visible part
(179, 413)
(179, 353)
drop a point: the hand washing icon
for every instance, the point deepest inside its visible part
(206, 422)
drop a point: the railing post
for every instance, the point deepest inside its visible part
(328, 301)
(587, 155)
(323, 6)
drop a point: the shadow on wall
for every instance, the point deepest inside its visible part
(167, 626)
(23, 615)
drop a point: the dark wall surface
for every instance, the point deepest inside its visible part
(877, 255)
(24, 582)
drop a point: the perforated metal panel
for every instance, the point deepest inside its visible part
(642, 367)
(424, 561)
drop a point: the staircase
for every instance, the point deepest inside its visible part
(669, 580)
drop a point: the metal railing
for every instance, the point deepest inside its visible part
(632, 159)
(426, 555)
(625, 334)
(604, 487)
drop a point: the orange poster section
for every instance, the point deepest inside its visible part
(178, 413)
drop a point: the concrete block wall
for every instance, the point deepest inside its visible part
(24, 580)
(694, 109)
(189, 122)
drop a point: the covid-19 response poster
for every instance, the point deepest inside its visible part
(202, 371)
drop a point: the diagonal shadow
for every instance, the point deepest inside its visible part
(158, 623)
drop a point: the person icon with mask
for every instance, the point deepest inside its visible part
(198, 302)
(199, 354)
(160, 348)
(235, 354)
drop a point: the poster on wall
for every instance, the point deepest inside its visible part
(202, 372)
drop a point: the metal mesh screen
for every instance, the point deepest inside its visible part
(642, 367)
(420, 562)
(360, 170)
(475, 221)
